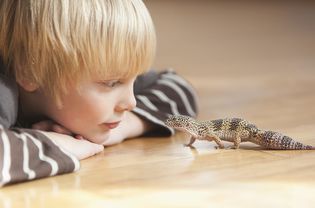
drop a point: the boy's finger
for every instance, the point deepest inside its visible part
(79, 137)
(42, 125)
(61, 130)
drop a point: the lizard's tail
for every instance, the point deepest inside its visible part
(276, 140)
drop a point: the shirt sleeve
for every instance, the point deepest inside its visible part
(27, 154)
(162, 94)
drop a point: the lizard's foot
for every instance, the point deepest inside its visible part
(232, 147)
(219, 147)
(189, 145)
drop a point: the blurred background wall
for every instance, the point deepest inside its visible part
(234, 36)
(241, 55)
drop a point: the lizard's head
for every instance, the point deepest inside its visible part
(179, 121)
(187, 124)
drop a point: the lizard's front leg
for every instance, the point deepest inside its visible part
(216, 139)
(192, 140)
(237, 141)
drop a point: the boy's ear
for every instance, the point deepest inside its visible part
(27, 85)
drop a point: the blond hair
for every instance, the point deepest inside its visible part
(54, 42)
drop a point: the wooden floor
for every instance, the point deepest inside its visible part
(247, 59)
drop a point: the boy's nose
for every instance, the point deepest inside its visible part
(131, 104)
(127, 104)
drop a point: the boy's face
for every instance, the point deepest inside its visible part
(97, 108)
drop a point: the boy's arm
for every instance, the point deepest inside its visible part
(27, 154)
(157, 98)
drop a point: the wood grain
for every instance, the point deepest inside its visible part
(247, 59)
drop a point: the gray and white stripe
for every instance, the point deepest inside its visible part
(42, 156)
(11, 171)
(147, 102)
(5, 172)
(31, 173)
(75, 161)
(182, 95)
(166, 99)
(181, 81)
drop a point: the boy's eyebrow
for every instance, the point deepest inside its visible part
(117, 78)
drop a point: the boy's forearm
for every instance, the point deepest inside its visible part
(40, 155)
(81, 149)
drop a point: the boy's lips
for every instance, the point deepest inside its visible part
(111, 125)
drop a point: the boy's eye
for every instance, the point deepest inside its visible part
(111, 83)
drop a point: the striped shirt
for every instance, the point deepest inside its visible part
(26, 154)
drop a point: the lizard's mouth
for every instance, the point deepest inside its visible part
(168, 123)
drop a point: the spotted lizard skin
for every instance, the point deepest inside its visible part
(235, 130)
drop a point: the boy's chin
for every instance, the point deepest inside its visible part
(99, 139)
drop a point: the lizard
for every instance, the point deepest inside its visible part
(235, 130)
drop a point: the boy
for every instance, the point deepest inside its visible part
(68, 76)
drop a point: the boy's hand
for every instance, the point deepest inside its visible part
(49, 125)
(79, 148)
(131, 126)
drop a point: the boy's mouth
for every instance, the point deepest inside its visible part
(111, 125)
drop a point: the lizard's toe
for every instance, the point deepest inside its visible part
(231, 147)
(219, 147)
